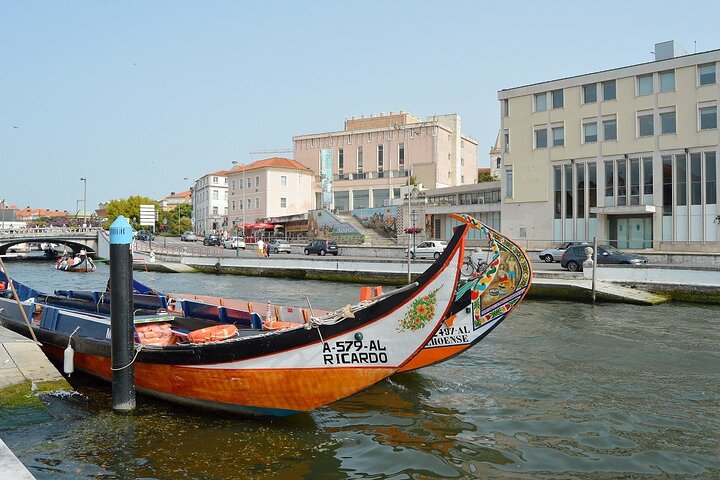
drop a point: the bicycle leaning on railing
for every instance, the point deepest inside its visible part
(469, 266)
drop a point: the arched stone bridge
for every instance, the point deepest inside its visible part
(75, 238)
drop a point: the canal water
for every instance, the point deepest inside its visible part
(560, 390)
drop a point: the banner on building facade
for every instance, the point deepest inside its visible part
(326, 176)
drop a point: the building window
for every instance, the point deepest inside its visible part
(645, 125)
(233, 205)
(215, 195)
(215, 210)
(681, 179)
(667, 81)
(590, 93)
(557, 99)
(580, 187)
(401, 157)
(240, 205)
(249, 204)
(508, 182)
(609, 129)
(708, 117)
(540, 102)
(590, 132)
(667, 184)
(283, 180)
(647, 175)
(621, 168)
(233, 184)
(634, 181)
(609, 179)
(706, 74)
(507, 141)
(710, 179)
(505, 108)
(667, 121)
(645, 84)
(215, 180)
(341, 161)
(257, 202)
(380, 159)
(558, 134)
(283, 202)
(695, 179)
(541, 138)
(568, 190)
(359, 159)
(592, 187)
(557, 188)
(609, 90)
(257, 182)
(249, 182)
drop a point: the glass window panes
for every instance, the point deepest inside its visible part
(667, 122)
(590, 132)
(540, 102)
(610, 129)
(541, 138)
(710, 178)
(706, 74)
(708, 118)
(590, 93)
(645, 84)
(645, 125)
(609, 92)
(558, 136)
(557, 99)
(647, 175)
(667, 81)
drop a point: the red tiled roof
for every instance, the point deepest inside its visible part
(184, 194)
(276, 162)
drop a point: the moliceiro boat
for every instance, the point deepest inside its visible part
(78, 263)
(242, 367)
(480, 304)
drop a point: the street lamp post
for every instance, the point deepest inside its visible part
(84, 180)
(413, 216)
(407, 197)
(3, 214)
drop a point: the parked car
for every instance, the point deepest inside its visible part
(189, 237)
(574, 257)
(278, 246)
(234, 243)
(554, 254)
(321, 247)
(212, 239)
(145, 235)
(428, 249)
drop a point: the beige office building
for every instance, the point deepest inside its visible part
(364, 165)
(272, 187)
(628, 155)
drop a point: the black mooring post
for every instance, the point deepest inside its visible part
(121, 320)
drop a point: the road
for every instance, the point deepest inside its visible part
(174, 243)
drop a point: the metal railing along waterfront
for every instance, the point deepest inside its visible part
(10, 233)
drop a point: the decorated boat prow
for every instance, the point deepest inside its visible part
(483, 302)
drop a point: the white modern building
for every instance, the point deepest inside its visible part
(628, 155)
(210, 202)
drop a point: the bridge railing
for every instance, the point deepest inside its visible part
(10, 233)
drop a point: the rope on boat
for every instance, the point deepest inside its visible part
(348, 311)
(138, 347)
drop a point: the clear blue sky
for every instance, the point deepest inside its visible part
(138, 95)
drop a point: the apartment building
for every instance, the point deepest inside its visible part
(272, 187)
(364, 165)
(172, 201)
(628, 155)
(210, 202)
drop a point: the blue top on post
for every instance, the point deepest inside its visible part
(120, 232)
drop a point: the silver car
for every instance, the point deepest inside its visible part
(280, 246)
(554, 254)
(189, 237)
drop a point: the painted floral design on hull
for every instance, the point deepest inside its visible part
(422, 310)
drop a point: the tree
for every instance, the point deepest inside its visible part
(129, 208)
(183, 212)
(485, 177)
